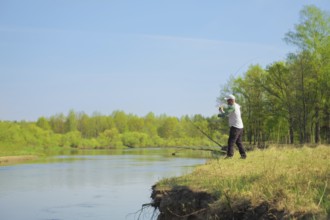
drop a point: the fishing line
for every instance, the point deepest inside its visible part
(249, 61)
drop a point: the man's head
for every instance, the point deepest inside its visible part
(230, 99)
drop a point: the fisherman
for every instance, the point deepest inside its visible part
(233, 112)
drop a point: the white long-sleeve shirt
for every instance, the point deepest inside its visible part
(233, 112)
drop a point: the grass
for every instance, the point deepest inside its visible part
(291, 179)
(11, 154)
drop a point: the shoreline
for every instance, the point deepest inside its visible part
(264, 186)
(8, 160)
(184, 203)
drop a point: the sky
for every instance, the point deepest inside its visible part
(138, 56)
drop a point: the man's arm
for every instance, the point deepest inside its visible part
(225, 112)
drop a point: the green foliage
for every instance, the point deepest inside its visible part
(43, 123)
(313, 29)
(110, 138)
(288, 102)
(24, 138)
(78, 130)
(134, 139)
(135, 123)
(168, 127)
(71, 139)
(57, 123)
(71, 122)
(120, 119)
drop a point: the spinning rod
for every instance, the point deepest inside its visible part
(203, 132)
(203, 149)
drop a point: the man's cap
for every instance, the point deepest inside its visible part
(230, 97)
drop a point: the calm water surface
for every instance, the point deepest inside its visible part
(111, 185)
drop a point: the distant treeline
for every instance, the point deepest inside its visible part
(289, 101)
(79, 130)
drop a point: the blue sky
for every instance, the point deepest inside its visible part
(167, 57)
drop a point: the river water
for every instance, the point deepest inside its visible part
(100, 185)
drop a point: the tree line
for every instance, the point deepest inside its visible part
(79, 130)
(288, 101)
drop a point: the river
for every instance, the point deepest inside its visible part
(94, 185)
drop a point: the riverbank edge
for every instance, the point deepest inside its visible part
(184, 203)
(175, 200)
(6, 160)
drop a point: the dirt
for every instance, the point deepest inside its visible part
(182, 203)
(6, 160)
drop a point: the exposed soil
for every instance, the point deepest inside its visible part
(182, 203)
(15, 159)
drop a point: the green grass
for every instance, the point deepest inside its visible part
(295, 180)
(16, 150)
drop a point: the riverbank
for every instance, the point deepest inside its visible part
(6, 160)
(275, 183)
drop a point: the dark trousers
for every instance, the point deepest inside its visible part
(235, 137)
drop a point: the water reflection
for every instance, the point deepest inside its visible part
(94, 185)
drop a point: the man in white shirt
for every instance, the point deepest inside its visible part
(233, 112)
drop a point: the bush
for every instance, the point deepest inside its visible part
(134, 139)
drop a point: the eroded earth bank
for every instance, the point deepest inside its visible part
(182, 203)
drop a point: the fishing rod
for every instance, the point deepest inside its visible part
(203, 132)
(192, 148)
(203, 149)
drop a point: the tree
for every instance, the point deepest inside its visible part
(168, 127)
(134, 139)
(71, 122)
(303, 87)
(279, 84)
(135, 123)
(110, 138)
(311, 35)
(43, 123)
(83, 125)
(150, 125)
(120, 120)
(71, 139)
(57, 123)
(325, 85)
(253, 103)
